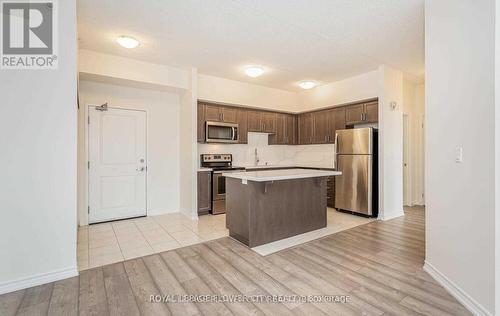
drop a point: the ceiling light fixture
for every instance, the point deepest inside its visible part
(307, 84)
(254, 71)
(127, 41)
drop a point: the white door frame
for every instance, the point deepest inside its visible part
(85, 216)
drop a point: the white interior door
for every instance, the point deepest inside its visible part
(406, 171)
(117, 164)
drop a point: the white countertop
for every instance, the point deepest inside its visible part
(276, 175)
(309, 165)
(204, 169)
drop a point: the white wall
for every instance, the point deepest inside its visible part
(357, 88)
(188, 149)
(459, 108)
(217, 89)
(94, 65)
(163, 154)
(390, 143)
(414, 107)
(497, 156)
(38, 128)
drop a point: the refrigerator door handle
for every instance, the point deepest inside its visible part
(336, 150)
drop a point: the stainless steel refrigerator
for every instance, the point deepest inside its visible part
(356, 190)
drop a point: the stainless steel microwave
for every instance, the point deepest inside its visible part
(218, 132)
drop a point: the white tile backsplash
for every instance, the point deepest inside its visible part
(283, 155)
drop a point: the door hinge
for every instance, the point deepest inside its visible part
(88, 209)
(88, 119)
(88, 164)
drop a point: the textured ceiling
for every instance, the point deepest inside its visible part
(322, 40)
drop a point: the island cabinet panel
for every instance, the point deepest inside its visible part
(258, 213)
(254, 121)
(268, 122)
(201, 123)
(305, 128)
(371, 112)
(320, 127)
(242, 120)
(204, 192)
(330, 192)
(213, 113)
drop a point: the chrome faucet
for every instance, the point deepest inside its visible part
(256, 159)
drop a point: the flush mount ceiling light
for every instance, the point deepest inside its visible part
(127, 41)
(307, 84)
(254, 71)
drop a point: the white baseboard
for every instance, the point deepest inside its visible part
(391, 215)
(471, 304)
(40, 279)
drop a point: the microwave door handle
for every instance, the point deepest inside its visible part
(234, 133)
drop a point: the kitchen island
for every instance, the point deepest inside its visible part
(266, 206)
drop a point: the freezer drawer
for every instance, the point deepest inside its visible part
(356, 141)
(353, 189)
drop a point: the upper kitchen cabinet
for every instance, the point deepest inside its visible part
(242, 120)
(362, 113)
(336, 119)
(261, 122)
(305, 128)
(286, 130)
(320, 127)
(254, 121)
(371, 112)
(201, 123)
(218, 113)
(354, 114)
(268, 122)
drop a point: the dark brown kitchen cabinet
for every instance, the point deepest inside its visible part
(212, 113)
(217, 113)
(371, 112)
(229, 115)
(268, 122)
(201, 123)
(354, 114)
(286, 130)
(204, 192)
(321, 127)
(242, 120)
(336, 119)
(362, 113)
(254, 121)
(291, 129)
(305, 128)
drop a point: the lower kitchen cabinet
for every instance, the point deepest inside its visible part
(204, 192)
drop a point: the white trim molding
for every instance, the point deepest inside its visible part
(471, 304)
(391, 215)
(40, 279)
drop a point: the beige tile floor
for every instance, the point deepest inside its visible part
(112, 242)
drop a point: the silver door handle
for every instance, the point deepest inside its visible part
(141, 169)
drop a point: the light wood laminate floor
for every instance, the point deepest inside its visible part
(377, 265)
